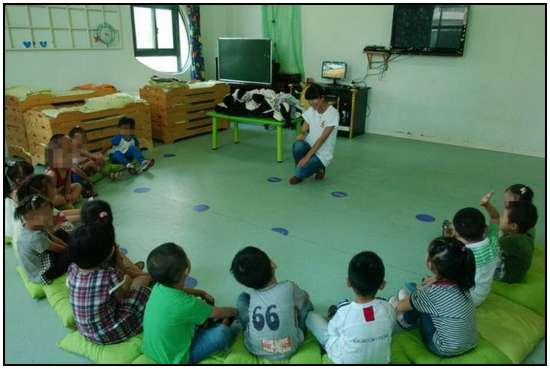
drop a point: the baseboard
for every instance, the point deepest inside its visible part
(411, 136)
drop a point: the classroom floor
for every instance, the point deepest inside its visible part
(388, 181)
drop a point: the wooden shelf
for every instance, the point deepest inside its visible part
(371, 54)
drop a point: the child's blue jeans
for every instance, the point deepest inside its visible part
(427, 328)
(300, 149)
(133, 152)
(208, 341)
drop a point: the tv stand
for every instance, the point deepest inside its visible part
(351, 103)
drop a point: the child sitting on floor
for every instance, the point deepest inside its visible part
(126, 147)
(41, 254)
(107, 306)
(360, 331)
(59, 161)
(443, 307)
(173, 314)
(515, 246)
(85, 164)
(520, 192)
(274, 313)
(15, 173)
(470, 228)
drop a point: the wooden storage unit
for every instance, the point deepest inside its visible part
(14, 109)
(100, 127)
(181, 112)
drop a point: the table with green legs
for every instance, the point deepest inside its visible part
(236, 120)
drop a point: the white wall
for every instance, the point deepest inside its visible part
(66, 69)
(492, 97)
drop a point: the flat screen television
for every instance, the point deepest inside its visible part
(244, 60)
(333, 70)
(434, 29)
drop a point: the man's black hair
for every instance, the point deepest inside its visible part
(470, 224)
(366, 273)
(314, 92)
(166, 264)
(252, 268)
(76, 130)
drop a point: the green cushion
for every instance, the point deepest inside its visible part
(215, 359)
(539, 260)
(308, 353)
(57, 294)
(35, 290)
(398, 354)
(7, 240)
(410, 344)
(529, 293)
(512, 328)
(120, 353)
(96, 177)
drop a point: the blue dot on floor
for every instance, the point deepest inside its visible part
(142, 189)
(169, 155)
(190, 282)
(339, 194)
(124, 250)
(425, 218)
(274, 179)
(201, 207)
(282, 231)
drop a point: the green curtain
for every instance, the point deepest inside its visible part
(283, 25)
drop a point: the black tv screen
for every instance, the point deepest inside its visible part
(435, 29)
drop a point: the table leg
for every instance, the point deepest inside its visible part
(214, 133)
(235, 132)
(279, 139)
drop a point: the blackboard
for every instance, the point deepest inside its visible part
(244, 60)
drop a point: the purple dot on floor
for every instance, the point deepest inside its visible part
(169, 155)
(201, 207)
(425, 218)
(339, 194)
(282, 231)
(142, 189)
(190, 282)
(124, 250)
(274, 179)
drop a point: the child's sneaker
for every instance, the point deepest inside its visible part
(393, 302)
(147, 164)
(131, 169)
(400, 317)
(403, 294)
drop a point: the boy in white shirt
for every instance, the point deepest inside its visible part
(314, 147)
(360, 331)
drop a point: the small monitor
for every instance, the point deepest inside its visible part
(334, 70)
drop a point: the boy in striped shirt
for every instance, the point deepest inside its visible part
(470, 228)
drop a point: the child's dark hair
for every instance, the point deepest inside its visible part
(453, 261)
(470, 224)
(252, 268)
(37, 184)
(96, 211)
(523, 214)
(30, 203)
(166, 264)
(366, 273)
(15, 171)
(92, 244)
(523, 192)
(55, 143)
(127, 122)
(76, 130)
(314, 92)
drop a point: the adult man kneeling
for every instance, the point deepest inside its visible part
(314, 147)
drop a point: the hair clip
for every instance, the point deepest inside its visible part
(523, 190)
(103, 214)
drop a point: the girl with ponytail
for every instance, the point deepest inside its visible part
(442, 306)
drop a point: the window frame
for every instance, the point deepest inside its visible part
(176, 50)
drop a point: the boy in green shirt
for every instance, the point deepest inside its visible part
(173, 312)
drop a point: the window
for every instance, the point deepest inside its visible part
(160, 37)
